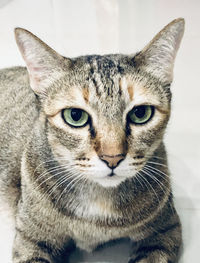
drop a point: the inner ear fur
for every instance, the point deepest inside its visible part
(158, 56)
(44, 64)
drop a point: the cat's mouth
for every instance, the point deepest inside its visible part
(111, 174)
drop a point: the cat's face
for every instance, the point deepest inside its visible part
(106, 114)
(105, 124)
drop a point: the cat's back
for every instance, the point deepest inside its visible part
(18, 111)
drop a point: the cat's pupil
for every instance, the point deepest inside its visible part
(140, 112)
(76, 114)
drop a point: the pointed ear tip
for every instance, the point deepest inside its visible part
(179, 21)
(19, 31)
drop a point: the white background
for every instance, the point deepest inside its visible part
(78, 27)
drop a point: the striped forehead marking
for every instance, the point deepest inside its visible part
(102, 73)
(86, 94)
(130, 91)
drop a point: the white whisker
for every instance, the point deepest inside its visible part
(55, 186)
(158, 172)
(150, 185)
(156, 163)
(54, 169)
(51, 161)
(78, 178)
(138, 179)
(49, 178)
(155, 169)
(61, 181)
(162, 186)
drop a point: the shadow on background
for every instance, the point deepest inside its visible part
(114, 251)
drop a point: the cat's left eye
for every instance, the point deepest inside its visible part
(75, 117)
(141, 114)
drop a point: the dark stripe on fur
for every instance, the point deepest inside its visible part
(23, 235)
(44, 246)
(143, 252)
(169, 227)
(96, 86)
(37, 259)
(137, 259)
(149, 249)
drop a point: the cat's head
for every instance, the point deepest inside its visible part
(106, 115)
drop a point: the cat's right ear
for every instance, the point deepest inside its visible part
(157, 58)
(43, 63)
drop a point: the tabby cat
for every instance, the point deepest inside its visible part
(82, 159)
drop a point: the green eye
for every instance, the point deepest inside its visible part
(141, 114)
(75, 117)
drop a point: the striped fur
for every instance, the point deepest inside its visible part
(56, 178)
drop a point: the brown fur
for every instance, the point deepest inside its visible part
(105, 180)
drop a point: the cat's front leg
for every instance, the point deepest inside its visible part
(162, 246)
(28, 250)
(155, 256)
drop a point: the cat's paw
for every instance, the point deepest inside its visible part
(155, 257)
(144, 260)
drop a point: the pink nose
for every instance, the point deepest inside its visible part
(112, 160)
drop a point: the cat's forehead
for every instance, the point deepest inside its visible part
(103, 87)
(102, 78)
(107, 84)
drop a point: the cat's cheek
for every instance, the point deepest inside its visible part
(98, 168)
(60, 152)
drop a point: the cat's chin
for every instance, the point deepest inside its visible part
(110, 181)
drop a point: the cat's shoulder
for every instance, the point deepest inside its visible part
(11, 74)
(18, 70)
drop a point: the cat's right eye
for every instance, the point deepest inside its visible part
(75, 117)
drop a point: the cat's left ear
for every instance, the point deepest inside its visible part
(44, 65)
(158, 56)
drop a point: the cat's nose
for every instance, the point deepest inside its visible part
(112, 161)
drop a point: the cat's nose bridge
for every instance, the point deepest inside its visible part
(112, 152)
(110, 145)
